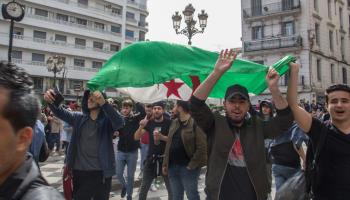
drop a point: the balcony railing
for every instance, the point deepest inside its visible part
(143, 24)
(273, 43)
(140, 6)
(68, 23)
(131, 38)
(57, 43)
(43, 64)
(107, 10)
(270, 9)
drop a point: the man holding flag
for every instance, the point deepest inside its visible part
(237, 164)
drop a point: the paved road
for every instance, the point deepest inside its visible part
(52, 171)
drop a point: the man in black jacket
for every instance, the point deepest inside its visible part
(237, 164)
(20, 178)
(127, 146)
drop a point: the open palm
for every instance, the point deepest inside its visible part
(225, 60)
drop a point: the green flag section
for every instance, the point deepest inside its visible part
(146, 64)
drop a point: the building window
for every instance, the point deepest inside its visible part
(80, 42)
(257, 32)
(329, 9)
(76, 85)
(130, 15)
(81, 21)
(61, 38)
(345, 76)
(79, 62)
(318, 70)
(115, 47)
(256, 8)
(39, 35)
(142, 18)
(332, 73)
(116, 29)
(117, 11)
(96, 64)
(317, 32)
(38, 57)
(287, 28)
(287, 4)
(142, 36)
(129, 33)
(97, 45)
(62, 17)
(331, 47)
(18, 31)
(316, 5)
(38, 83)
(40, 12)
(16, 54)
(99, 26)
(83, 2)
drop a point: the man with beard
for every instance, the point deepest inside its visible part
(158, 128)
(127, 146)
(185, 153)
(90, 153)
(237, 164)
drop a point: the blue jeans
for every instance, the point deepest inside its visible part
(144, 151)
(282, 174)
(181, 179)
(129, 159)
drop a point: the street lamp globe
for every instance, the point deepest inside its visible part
(188, 13)
(203, 19)
(176, 20)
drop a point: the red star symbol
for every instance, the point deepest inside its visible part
(173, 88)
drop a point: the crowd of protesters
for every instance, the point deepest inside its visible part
(242, 149)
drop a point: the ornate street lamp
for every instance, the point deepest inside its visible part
(55, 64)
(190, 30)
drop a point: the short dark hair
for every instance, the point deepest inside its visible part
(22, 108)
(149, 105)
(337, 87)
(184, 105)
(128, 103)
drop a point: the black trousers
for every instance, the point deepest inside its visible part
(90, 184)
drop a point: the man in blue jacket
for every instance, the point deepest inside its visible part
(90, 154)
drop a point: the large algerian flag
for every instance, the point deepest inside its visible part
(151, 71)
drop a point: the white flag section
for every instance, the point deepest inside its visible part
(173, 89)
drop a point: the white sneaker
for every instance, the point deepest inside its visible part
(153, 188)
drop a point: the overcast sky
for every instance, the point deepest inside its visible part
(223, 28)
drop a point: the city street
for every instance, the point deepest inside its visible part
(52, 171)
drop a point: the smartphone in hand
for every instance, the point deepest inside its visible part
(58, 97)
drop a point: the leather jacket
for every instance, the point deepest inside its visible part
(27, 183)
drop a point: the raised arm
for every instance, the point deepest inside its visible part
(59, 111)
(272, 78)
(223, 63)
(140, 131)
(199, 110)
(302, 117)
(284, 119)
